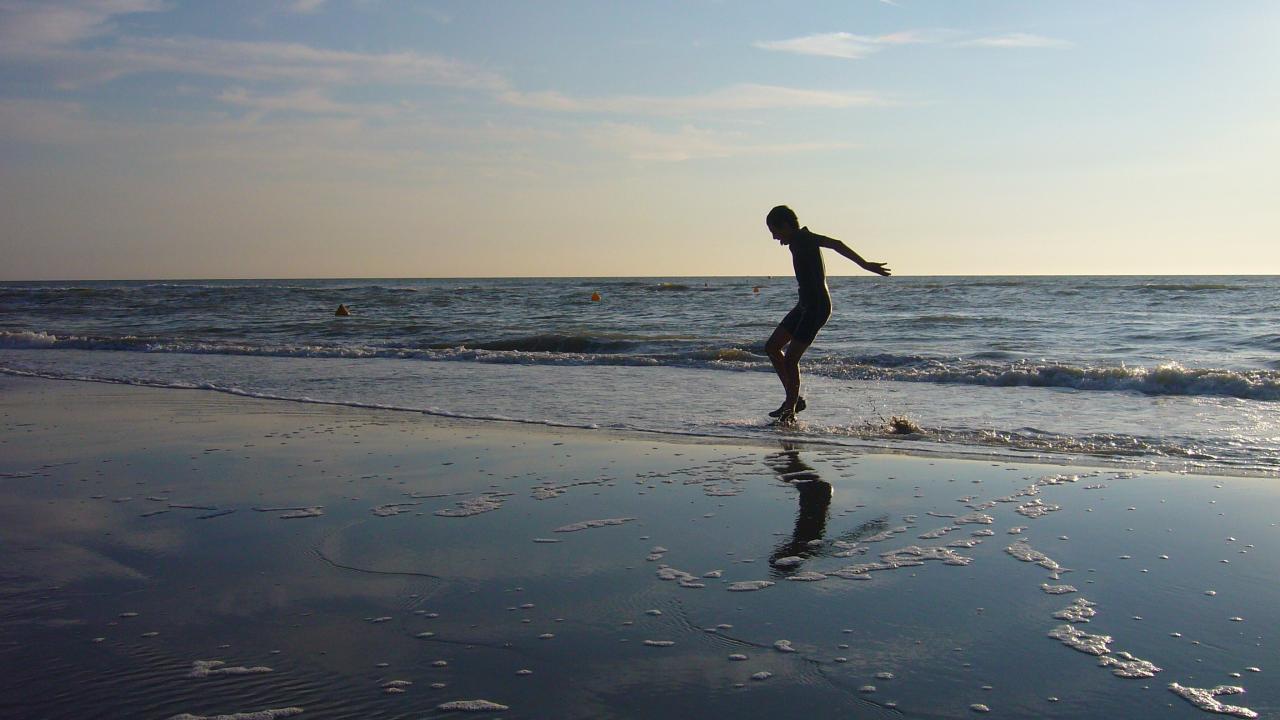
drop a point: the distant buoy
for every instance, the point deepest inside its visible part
(756, 289)
(342, 311)
(595, 297)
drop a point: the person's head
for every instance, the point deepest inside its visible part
(783, 223)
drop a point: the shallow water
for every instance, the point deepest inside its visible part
(1170, 372)
(341, 604)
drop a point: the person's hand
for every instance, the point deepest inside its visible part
(878, 268)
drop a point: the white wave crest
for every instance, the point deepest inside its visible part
(1165, 379)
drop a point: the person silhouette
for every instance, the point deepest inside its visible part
(798, 329)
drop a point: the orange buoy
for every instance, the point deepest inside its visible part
(595, 297)
(342, 311)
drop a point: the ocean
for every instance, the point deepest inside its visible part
(1175, 373)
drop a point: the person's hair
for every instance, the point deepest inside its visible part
(783, 216)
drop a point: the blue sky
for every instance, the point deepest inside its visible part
(376, 138)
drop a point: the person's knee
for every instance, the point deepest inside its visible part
(794, 351)
(773, 347)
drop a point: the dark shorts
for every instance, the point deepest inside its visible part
(804, 321)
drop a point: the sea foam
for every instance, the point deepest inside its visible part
(589, 524)
(270, 714)
(1207, 699)
(205, 668)
(471, 706)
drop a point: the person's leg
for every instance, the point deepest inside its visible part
(810, 321)
(791, 371)
(785, 347)
(776, 347)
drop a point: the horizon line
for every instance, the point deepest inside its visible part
(787, 276)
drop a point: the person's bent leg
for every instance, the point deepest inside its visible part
(777, 347)
(791, 370)
(810, 322)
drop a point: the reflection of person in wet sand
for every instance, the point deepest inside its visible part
(815, 501)
(808, 538)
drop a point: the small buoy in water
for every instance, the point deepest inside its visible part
(342, 311)
(595, 297)
(756, 289)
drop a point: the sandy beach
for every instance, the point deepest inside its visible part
(178, 553)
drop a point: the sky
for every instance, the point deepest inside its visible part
(148, 139)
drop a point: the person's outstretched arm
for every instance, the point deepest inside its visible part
(878, 268)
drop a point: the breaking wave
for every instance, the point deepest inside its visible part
(555, 349)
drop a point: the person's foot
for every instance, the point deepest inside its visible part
(783, 408)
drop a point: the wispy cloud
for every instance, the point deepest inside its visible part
(291, 61)
(306, 7)
(1016, 40)
(690, 143)
(309, 101)
(847, 45)
(32, 25)
(52, 37)
(733, 98)
(282, 145)
(254, 61)
(285, 99)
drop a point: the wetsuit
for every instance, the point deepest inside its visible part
(814, 307)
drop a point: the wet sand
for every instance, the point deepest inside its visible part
(171, 553)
